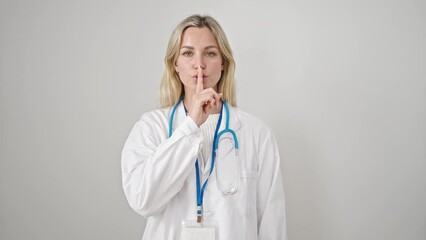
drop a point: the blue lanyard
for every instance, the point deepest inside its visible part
(200, 189)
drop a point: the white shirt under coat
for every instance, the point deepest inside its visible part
(159, 178)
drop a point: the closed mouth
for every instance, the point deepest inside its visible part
(196, 76)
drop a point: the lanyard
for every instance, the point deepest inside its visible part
(200, 189)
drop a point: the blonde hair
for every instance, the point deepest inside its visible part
(171, 88)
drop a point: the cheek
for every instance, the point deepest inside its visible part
(182, 65)
(217, 66)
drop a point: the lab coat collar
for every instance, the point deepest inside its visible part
(234, 121)
(179, 117)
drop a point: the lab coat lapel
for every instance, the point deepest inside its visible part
(234, 121)
(179, 117)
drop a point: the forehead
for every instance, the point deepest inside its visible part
(198, 37)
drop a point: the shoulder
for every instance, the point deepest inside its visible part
(256, 134)
(151, 127)
(155, 114)
(251, 122)
(155, 118)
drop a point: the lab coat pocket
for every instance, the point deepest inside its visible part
(247, 193)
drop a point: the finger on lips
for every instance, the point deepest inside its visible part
(213, 98)
(200, 86)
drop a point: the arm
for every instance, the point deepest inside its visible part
(153, 173)
(271, 206)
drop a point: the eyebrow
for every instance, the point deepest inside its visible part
(208, 47)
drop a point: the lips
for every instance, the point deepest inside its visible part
(196, 76)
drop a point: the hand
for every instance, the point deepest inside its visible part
(204, 101)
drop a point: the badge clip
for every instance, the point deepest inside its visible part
(199, 214)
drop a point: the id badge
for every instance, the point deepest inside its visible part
(206, 230)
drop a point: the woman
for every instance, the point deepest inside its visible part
(171, 173)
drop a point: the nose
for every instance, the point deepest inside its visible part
(199, 62)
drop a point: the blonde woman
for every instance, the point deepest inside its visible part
(200, 168)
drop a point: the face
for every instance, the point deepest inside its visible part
(199, 49)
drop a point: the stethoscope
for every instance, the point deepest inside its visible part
(200, 189)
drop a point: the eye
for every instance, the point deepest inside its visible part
(211, 54)
(187, 53)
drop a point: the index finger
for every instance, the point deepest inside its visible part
(200, 86)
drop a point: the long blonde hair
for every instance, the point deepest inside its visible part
(171, 88)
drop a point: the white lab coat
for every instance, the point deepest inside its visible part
(159, 178)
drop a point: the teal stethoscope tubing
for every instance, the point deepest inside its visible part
(200, 190)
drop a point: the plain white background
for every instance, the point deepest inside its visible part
(342, 84)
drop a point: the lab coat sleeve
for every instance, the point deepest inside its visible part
(271, 205)
(153, 172)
